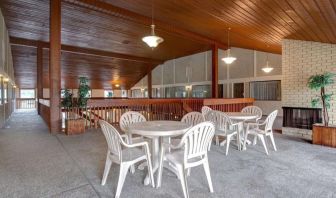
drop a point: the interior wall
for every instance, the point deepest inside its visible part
(245, 69)
(7, 81)
(302, 59)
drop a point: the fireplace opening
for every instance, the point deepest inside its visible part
(301, 117)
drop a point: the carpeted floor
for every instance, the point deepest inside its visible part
(34, 163)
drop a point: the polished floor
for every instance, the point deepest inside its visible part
(34, 163)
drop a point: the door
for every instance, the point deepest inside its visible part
(238, 90)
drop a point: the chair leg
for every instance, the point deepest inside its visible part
(108, 164)
(272, 139)
(245, 139)
(255, 140)
(207, 173)
(122, 175)
(263, 142)
(188, 172)
(228, 139)
(217, 140)
(183, 180)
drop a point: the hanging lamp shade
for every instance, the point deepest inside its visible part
(267, 68)
(229, 59)
(152, 40)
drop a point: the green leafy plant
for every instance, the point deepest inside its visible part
(83, 92)
(320, 82)
(67, 99)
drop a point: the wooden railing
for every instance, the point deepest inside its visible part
(44, 110)
(111, 110)
(25, 103)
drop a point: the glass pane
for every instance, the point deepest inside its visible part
(266, 90)
(108, 93)
(27, 93)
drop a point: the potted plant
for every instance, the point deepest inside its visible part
(74, 122)
(323, 134)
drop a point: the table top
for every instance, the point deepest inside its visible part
(241, 116)
(159, 128)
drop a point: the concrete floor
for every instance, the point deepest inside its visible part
(34, 163)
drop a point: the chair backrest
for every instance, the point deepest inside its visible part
(220, 119)
(205, 110)
(253, 110)
(196, 142)
(192, 118)
(270, 120)
(113, 139)
(130, 117)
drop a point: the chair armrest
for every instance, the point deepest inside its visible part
(125, 138)
(255, 124)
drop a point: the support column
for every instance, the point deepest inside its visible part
(214, 79)
(55, 65)
(149, 84)
(39, 79)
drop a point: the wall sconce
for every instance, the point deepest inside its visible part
(188, 87)
(6, 79)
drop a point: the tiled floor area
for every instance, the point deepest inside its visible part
(34, 163)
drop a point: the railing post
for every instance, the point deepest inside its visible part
(149, 84)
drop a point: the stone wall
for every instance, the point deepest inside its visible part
(300, 60)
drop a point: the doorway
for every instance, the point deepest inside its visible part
(238, 90)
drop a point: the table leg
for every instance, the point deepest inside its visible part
(155, 157)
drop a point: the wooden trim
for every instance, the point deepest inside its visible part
(149, 84)
(214, 79)
(110, 9)
(39, 78)
(55, 66)
(81, 50)
(215, 101)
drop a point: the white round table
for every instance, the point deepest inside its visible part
(157, 130)
(240, 116)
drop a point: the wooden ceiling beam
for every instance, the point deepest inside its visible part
(110, 9)
(86, 51)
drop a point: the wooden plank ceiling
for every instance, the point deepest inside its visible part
(187, 27)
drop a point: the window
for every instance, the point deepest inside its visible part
(201, 91)
(124, 93)
(108, 93)
(27, 93)
(266, 90)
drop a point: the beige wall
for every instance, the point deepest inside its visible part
(245, 69)
(301, 59)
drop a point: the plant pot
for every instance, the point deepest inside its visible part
(324, 135)
(74, 126)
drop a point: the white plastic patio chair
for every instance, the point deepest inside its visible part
(256, 130)
(253, 110)
(127, 119)
(120, 152)
(193, 118)
(225, 128)
(192, 151)
(205, 110)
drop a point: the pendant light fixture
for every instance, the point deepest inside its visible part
(267, 68)
(229, 59)
(152, 40)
